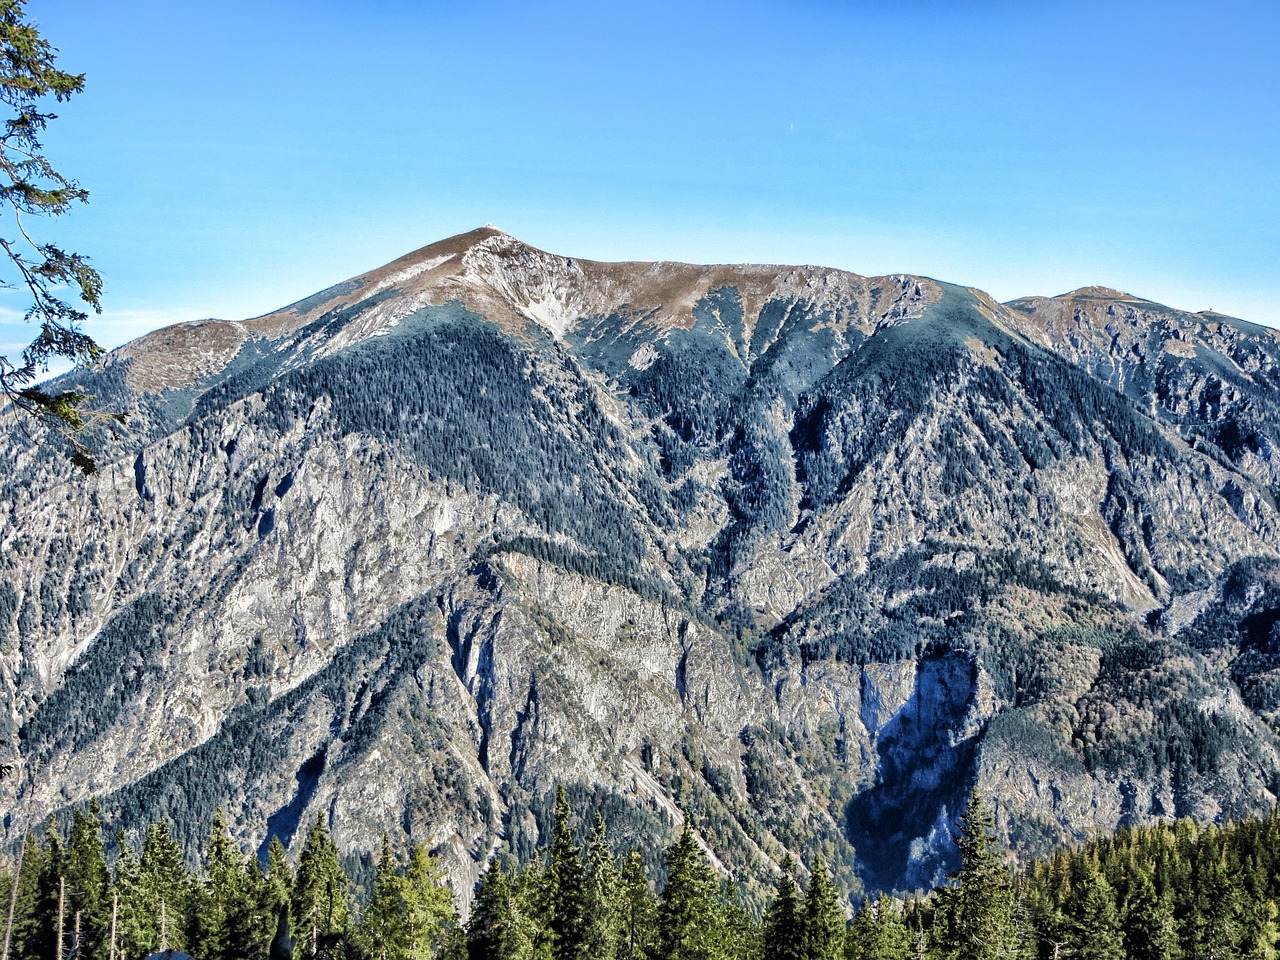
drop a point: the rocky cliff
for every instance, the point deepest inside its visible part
(804, 553)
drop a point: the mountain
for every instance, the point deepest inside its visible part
(805, 554)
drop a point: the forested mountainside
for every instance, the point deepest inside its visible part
(1148, 893)
(806, 554)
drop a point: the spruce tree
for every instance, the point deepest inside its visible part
(601, 887)
(257, 927)
(86, 882)
(166, 888)
(878, 932)
(382, 934)
(34, 917)
(1211, 927)
(429, 909)
(223, 905)
(1092, 918)
(279, 878)
(135, 914)
(320, 909)
(824, 921)
(688, 910)
(497, 930)
(1149, 929)
(565, 890)
(980, 911)
(784, 918)
(638, 921)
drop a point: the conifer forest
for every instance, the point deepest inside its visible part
(1169, 892)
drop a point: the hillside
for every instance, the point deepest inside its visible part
(806, 553)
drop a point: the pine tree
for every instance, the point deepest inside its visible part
(382, 933)
(566, 895)
(320, 908)
(1092, 919)
(279, 878)
(497, 930)
(1149, 929)
(86, 883)
(980, 911)
(688, 910)
(824, 921)
(784, 918)
(601, 888)
(429, 909)
(166, 887)
(638, 921)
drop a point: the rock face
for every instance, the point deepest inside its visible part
(804, 553)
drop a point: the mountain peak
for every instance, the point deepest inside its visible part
(1097, 292)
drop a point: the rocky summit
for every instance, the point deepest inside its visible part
(805, 554)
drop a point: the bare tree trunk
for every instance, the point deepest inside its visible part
(62, 901)
(75, 939)
(13, 899)
(115, 906)
(164, 927)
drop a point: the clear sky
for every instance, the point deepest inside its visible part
(241, 155)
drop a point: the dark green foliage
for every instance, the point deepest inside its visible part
(566, 900)
(87, 880)
(410, 914)
(784, 919)
(1246, 618)
(498, 926)
(191, 788)
(824, 919)
(979, 918)
(637, 911)
(854, 415)
(1091, 914)
(1179, 892)
(101, 685)
(1149, 929)
(1080, 409)
(167, 887)
(32, 189)
(458, 395)
(574, 561)
(230, 911)
(1155, 893)
(879, 932)
(602, 899)
(689, 920)
(857, 620)
(321, 901)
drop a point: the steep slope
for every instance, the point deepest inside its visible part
(804, 553)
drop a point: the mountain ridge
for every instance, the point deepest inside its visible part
(843, 547)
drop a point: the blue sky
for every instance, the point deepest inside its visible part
(242, 155)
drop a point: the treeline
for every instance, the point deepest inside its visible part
(1169, 892)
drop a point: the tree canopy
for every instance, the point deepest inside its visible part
(31, 189)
